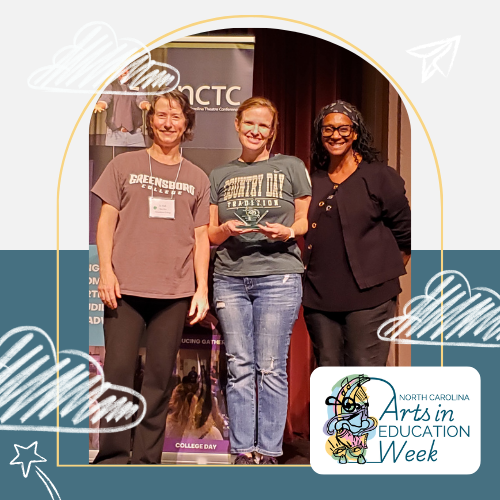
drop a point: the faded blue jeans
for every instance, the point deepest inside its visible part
(257, 315)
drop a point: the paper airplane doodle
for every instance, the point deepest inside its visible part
(23, 456)
(96, 52)
(30, 390)
(470, 317)
(437, 56)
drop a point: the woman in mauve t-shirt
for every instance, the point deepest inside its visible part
(258, 206)
(152, 240)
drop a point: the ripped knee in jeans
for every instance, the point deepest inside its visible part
(265, 372)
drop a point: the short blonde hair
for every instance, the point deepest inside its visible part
(260, 102)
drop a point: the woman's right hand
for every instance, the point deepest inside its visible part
(109, 289)
(99, 107)
(218, 233)
(231, 228)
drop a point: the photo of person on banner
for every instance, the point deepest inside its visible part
(358, 243)
(258, 207)
(124, 106)
(194, 411)
(152, 240)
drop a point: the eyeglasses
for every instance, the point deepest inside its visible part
(343, 130)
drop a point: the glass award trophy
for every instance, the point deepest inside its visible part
(251, 217)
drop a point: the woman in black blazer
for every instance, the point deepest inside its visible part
(358, 242)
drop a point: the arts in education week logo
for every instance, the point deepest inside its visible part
(395, 420)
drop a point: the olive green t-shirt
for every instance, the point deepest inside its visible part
(262, 191)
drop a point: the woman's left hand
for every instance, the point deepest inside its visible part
(275, 231)
(199, 305)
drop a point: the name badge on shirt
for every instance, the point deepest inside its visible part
(161, 208)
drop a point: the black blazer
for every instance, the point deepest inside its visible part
(375, 218)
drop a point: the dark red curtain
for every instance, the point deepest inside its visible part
(301, 74)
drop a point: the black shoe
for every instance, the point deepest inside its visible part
(244, 460)
(267, 460)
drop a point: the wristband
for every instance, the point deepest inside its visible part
(291, 236)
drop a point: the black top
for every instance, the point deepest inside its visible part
(357, 230)
(336, 290)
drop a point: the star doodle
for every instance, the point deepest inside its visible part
(22, 461)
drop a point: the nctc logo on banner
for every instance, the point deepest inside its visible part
(212, 95)
(395, 420)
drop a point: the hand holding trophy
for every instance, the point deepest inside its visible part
(276, 231)
(251, 218)
(234, 228)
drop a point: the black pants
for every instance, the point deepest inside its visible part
(349, 338)
(164, 322)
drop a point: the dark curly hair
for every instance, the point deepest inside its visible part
(320, 159)
(187, 111)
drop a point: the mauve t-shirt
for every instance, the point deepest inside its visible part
(153, 257)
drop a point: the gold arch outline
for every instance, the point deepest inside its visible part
(374, 63)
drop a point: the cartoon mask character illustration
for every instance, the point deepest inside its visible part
(350, 426)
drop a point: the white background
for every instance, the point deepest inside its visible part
(460, 111)
(455, 455)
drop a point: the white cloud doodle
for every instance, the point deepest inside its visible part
(95, 54)
(30, 390)
(470, 317)
(437, 56)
